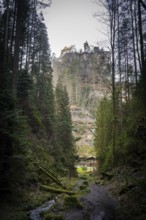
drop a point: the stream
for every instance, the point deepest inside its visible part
(97, 205)
(35, 213)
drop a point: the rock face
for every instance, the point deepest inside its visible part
(86, 76)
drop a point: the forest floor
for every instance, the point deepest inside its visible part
(96, 205)
(126, 184)
(101, 199)
(112, 197)
(130, 192)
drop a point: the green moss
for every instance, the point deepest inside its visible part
(101, 183)
(80, 170)
(85, 183)
(84, 191)
(83, 187)
(36, 198)
(84, 176)
(56, 190)
(59, 204)
(71, 202)
(52, 216)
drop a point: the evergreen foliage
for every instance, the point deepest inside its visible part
(35, 121)
(30, 130)
(64, 129)
(103, 134)
(120, 134)
(130, 137)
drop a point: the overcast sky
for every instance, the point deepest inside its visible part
(71, 22)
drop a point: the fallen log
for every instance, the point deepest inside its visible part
(57, 191)
(50, 175)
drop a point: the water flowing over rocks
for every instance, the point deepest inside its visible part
(35, 213)
(97, 205)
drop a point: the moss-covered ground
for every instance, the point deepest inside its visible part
(16, 207)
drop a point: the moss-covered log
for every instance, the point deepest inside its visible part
(50, 175)
(57, 191)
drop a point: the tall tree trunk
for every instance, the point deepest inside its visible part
(136, 35)
(12, 34)
(133, 41)
(113, 39)
(119, 63)
(19, 8)
(6, 32)
(141, 38)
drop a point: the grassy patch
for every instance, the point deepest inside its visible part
(81, 170)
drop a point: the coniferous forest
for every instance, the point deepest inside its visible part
(38, 155)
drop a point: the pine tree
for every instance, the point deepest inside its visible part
(103, 134)
(11, 130)
(64, 128)
(26, 91)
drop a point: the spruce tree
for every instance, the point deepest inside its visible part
(64, 128)
(103, 133)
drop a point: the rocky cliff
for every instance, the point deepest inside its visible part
(86, 76)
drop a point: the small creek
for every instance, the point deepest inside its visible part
(97, 205)
(35, 213)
